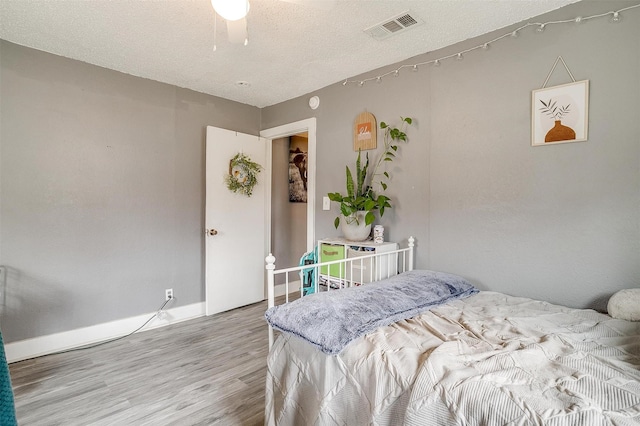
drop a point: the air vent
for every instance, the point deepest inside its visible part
(395, 25)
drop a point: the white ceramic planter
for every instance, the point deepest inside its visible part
(354, 230)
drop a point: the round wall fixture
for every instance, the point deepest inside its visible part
(314, 102)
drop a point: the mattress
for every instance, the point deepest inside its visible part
(488, 359)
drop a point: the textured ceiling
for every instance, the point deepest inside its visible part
(293, 48)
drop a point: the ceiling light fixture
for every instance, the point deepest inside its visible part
(231, 10)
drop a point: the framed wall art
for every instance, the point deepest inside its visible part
(298, 149)
(560, 114)
(365, 132)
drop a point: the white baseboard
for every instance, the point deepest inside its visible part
(43, 345)
(293, 287)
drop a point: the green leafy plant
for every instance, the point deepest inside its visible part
(360, 194)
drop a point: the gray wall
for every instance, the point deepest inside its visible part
(338, 109)
(558, 223)
(102, 175)
(102, 185)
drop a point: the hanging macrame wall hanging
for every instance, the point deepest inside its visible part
(242, 175)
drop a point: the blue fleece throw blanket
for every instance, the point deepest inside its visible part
(7, 408)
(331, 320)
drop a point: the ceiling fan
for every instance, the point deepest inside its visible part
(234, 12)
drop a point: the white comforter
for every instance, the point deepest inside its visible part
(489, 359)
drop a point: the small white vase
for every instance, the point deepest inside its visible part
(354, 230)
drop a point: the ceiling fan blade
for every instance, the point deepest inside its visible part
(237, 31)
(319, 4)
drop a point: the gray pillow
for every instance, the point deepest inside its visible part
(330, 320)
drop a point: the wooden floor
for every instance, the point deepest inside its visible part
(207, 371)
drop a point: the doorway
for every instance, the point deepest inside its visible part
(308, 127)
(289, 199)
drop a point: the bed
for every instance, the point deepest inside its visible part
(479, 358)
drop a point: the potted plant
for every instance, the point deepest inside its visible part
(358, 205)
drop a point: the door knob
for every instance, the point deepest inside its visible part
(211, 232)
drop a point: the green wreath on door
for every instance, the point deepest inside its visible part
(242, 175)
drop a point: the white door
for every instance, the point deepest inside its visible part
(235, 252)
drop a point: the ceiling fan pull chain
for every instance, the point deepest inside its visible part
(215, 31)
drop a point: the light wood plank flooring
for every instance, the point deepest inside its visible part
(207, 371)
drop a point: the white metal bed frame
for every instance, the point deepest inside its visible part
(402, 258)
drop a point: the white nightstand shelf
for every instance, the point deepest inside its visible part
(357, 272)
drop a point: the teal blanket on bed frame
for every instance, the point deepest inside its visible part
(7, 408)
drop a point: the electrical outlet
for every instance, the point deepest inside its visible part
(168, 294)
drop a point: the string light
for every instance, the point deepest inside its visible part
(614, 17)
